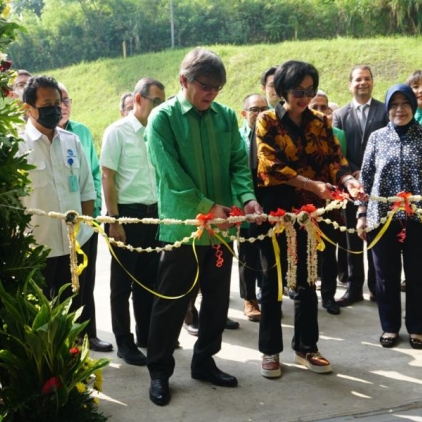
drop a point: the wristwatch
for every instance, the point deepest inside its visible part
(360, 215)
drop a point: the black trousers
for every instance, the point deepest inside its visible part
(57, 274)
(250, 273)
(176, 274)
(306, 330)
(387, 255)
(328, 262)
(143, 266)
(356, 276)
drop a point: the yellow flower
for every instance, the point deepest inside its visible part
(6, 10)
(98, 384)
(96, 400)
(81, 387)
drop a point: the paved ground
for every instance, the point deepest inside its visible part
(368, 383)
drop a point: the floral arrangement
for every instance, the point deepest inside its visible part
(46, 373)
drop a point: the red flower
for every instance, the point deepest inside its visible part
(74, 351)
(5, 65)
(236, 212)
(309, 208)
(405, 196)
(204, 218)
(52, 384)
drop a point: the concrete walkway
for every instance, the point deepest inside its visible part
(368, 382)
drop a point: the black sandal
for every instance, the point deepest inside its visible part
(415, 343)
(388, 341)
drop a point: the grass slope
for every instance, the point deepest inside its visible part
(96, 87)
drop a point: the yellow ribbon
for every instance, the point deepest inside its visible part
(136, 280)
(79, 251)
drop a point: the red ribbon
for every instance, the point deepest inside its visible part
(405, 203)
(279, 213)
(236, 212)
(309, 208)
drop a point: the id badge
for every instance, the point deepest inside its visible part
(73, 183)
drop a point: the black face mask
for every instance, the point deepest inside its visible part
(49, 116)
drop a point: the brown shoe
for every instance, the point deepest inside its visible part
(252, 310)
(270, 367)
(314, 361)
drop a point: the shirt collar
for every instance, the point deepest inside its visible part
(34, 134)
(136, 124)
(356, 104)
(187, 106)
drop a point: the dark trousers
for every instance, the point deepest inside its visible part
(387, 261)
(57, 274)
(176, 274)
(142, 266)
(356, 276)
(306, 303)
(250, 273)
(328, 261)
(342, 266)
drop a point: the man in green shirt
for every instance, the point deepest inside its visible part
(201, 164)
(91, 247)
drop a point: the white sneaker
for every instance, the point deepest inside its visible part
(270, 367)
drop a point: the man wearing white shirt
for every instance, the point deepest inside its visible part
(130, 191)
(61, 179)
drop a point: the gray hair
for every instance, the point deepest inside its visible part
(144, 84)
(201, 62)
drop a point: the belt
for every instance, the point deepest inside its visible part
(149, 209)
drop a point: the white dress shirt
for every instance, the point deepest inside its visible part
(55, 163)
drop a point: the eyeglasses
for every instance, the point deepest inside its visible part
(319, 107)
(208, 87)
(67, 101)
(155, 101)
(300, 93)
(257, 109)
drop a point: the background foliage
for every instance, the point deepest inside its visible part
(96, 87)
(64, 32)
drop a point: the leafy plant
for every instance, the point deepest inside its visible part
(45, 374)
(47, 371)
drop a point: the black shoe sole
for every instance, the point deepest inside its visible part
(201, 377)
(142, 362)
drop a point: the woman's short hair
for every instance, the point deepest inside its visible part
(414, 78)
(290, 74)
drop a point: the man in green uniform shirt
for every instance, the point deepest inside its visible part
(201, 164)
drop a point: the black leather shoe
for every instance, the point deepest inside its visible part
(232, 325)
(131, 354)
(159, 392)
(388, 342)
(214, 376)
(99, 345)
(415, 343)
(141, 343)
(331, 306)
(192, 329)
(349, 298)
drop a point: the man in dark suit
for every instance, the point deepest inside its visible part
(358, 120)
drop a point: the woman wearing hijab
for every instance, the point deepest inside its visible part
(392, 164)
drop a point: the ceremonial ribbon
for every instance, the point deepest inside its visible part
(101, 231)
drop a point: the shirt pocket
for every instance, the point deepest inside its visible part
(73, 168)
(132, 156)
(38, 176)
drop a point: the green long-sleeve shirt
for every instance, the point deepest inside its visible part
(200, 160)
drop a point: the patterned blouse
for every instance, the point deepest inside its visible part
(286, 150)
(392, 164)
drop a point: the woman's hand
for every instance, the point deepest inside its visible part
(323, 190)
(355, 189)
(360, 227)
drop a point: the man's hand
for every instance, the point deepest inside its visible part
(322, 189)
(220, 211)
(117, 232)
(252, 207)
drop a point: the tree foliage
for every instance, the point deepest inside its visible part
(64, 32)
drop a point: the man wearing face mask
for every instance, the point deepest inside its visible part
(61, 180)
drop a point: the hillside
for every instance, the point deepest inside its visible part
(96, 87)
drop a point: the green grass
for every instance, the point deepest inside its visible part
(96, 87)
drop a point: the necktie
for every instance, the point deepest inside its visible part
(362, 115)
